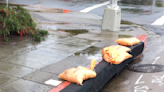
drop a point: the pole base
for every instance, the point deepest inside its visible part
(111, 19)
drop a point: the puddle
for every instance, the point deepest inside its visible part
(124, 36)
(48, 27)
(123, 28)
(127, 28)
(145, 7)
(75, 31)
(91, 53)
(131, 30)
(94, 25)
(137, 2)
(147, 10)
(57, 26)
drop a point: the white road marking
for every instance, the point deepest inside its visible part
(138, 81)
(159, 21)
(94, 7)
(158, 79)
(53, 82)
(156, 59)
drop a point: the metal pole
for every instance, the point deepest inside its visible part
(153, 5)
(7, 3)
(113, 3)
(112, 17)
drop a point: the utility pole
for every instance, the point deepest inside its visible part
(112, 17)
(7, 3)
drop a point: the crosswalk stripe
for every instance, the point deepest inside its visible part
(94, 6)
(159, 21)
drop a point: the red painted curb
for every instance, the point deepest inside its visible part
(142, 38)
(60, 86)
(36, 6)
(66, 11)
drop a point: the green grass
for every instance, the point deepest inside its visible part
(126, 22)
(159, 5)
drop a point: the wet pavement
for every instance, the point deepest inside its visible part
(74, 39)
(21, 85)
(137, 82)
(141, 12)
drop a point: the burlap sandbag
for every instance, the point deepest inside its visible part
(115, 47)
(77, 75)
(128, 41)
(116, 56)
(93, 64)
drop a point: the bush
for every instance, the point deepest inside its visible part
(39, 33)
(15, 19)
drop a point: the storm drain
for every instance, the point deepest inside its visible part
(146, 68)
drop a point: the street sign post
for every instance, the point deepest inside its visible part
(112, 17)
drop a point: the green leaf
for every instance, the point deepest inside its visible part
(6, 39)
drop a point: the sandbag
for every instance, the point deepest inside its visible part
(116, 56)
(81, 67)
(128, 41)
(93, 64)
(77, 75)
(122, 48)
(115, 47)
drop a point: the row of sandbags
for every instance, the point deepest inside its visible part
(114, 54)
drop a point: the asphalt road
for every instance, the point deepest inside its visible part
(141, 14)
(146, 12)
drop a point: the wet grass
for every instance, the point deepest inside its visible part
(134, 10)
(126, 22)
(75, 31)
(159, 5)
(124, 36)
(123, 30)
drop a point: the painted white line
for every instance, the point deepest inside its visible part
(53, 82)
(159, 21)
(94, 7)
(156, 59)
(138, 81)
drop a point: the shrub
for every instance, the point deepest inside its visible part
(15, 19)
(39, 33)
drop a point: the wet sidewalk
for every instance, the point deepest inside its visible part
(74, 39)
